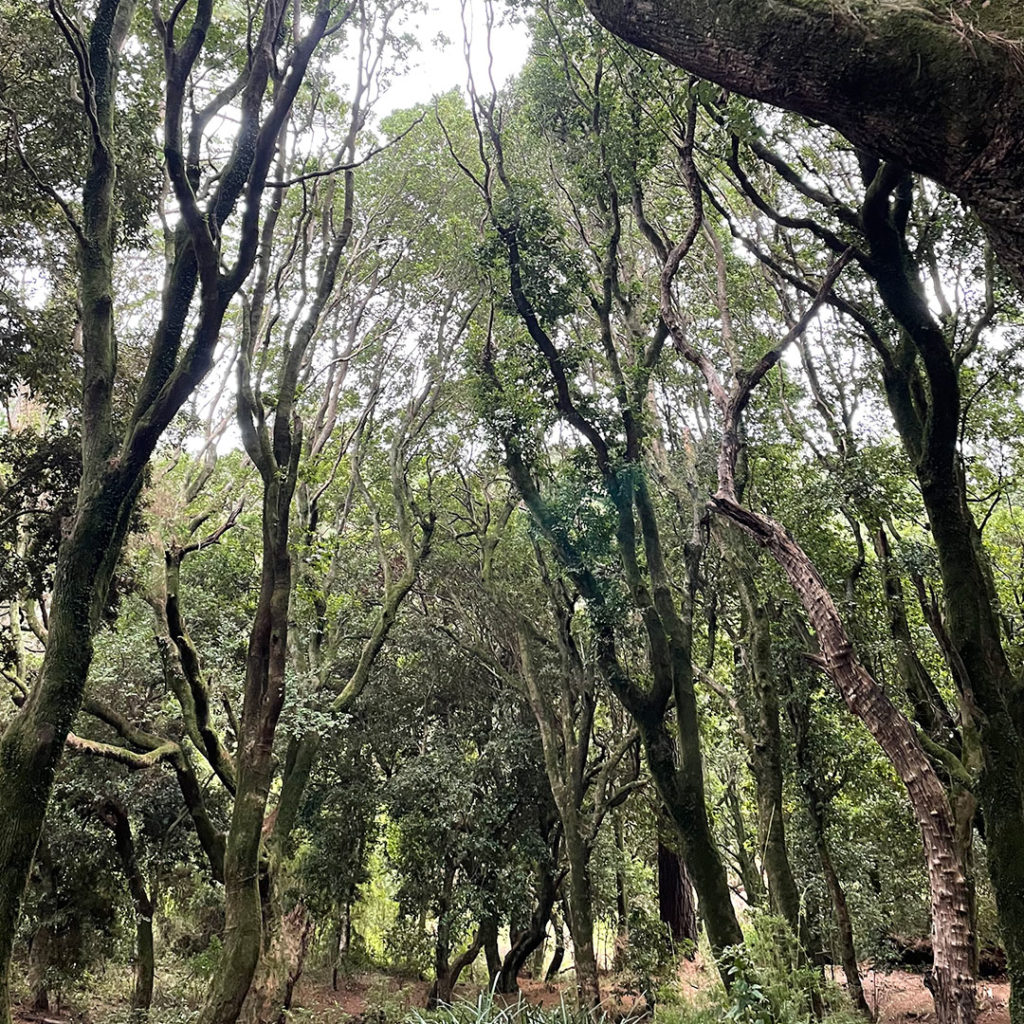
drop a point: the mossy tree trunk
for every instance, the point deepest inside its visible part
(953, 983)
(920, 370)
(564, 712)
(113, 464)
(938, 93)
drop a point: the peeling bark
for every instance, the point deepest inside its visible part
(952, 980)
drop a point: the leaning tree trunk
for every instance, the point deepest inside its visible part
(116, 818)
(952, 981)
(531, 938)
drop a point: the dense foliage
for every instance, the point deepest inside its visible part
(570, 525)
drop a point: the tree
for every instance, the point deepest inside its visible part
(115, 451)
(595, 505)
(583, 763)
(936, 90)
(924, 364)
(952, 980)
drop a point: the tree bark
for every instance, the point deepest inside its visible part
(621, 893)
(952, 981)
(280, 967)
(682, 791)
(38, 966)
(33, 741)
(261, 708)
(447, 971)
(940, 92)
(489, 932)
(675, 895)
(923, 394)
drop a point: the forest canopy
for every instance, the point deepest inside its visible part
(563, 538)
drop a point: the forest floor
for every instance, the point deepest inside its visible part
(898, 997)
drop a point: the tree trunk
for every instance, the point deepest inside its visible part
(263, 700)
(540, 957)
(559, 952)
(993, 698)
(280, 967)
(531, 938)
(339, 940)
(799, 711)
(682, 791)
(942, 96)
(952, 981)
(765, 744)
(581, 916)
(38, 966)
(621, 894)
(675, 896)
(116, 818)
(33, 741)
(296, 966)
(489, 933)
(447, 974)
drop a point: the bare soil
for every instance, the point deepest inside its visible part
(897, 997)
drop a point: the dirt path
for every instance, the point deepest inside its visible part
(898, 997)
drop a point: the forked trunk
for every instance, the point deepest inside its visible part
(530, 940)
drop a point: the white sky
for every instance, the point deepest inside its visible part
(437, 69)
